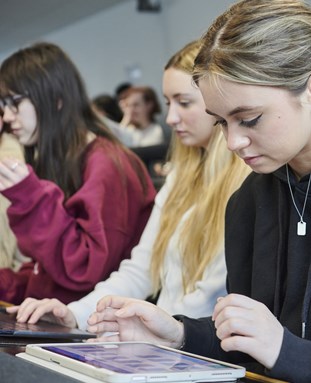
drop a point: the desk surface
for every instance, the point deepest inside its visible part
(15, 370)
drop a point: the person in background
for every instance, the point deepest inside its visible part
(107, 109)
(81, 202)
(179, 260)
(254, 73)
(108, 106)
(120, 92)
(141, 105)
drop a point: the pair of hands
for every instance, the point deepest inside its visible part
(256, 331)
(12, 172)
(129, 319)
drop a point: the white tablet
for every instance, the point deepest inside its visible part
(128, 362)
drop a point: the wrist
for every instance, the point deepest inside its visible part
(180, 338)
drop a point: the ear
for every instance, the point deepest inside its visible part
(307, 91)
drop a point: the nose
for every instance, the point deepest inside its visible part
(8, 115)
(172, 117)
(236, 139)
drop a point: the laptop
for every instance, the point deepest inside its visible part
(9, 327)
(127, 362)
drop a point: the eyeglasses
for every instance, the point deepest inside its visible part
(12, 102)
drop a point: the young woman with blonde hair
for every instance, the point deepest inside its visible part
(180, 256)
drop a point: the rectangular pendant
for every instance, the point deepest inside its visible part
(301, 228)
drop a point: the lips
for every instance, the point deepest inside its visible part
(250, 160)
(246, 158)
(15, 131)
(181, 131)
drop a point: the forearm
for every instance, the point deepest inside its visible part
(49, 234)
(293, 363)
(200, 338)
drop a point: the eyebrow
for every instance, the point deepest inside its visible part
(181, 94)
(237, 110)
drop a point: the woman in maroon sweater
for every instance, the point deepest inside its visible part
(80, 203)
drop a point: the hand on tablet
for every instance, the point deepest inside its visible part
(135, 320)
(51, 310)
(256, 330)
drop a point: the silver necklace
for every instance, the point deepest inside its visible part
(301, 225)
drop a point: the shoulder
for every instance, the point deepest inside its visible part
(104, 149)
(156, 127)
(258, 184)
(165, 190)
(102, 155)
(256, 191)
(110, 160)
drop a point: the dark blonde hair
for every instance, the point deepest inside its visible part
(259, 42)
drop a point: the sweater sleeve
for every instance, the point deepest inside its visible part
(133, 277)
(200, 336)
(201, 300)
(13, 285)
(201, 339)
(288, 366)
(80, 241)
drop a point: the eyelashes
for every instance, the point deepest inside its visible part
(250, 123)
(247, 123)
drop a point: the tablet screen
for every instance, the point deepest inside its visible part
(130, 358)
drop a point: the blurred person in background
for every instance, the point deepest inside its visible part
(108, 110)
(141, 105)
(108, 106)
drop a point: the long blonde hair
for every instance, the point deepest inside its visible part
(204, 179)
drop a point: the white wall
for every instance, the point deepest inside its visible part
(104, 46)
(186, 20)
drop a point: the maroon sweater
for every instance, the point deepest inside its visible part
(79, 242)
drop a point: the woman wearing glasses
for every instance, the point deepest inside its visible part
(81, 202)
